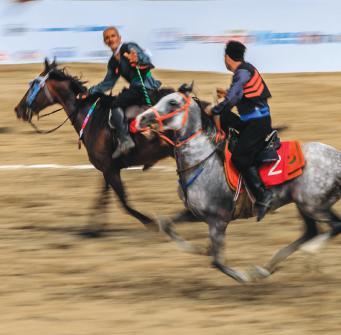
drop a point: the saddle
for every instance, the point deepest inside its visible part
(278, 162)
(271, 144)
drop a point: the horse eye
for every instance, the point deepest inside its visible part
(173, 103)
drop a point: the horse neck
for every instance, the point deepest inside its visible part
(194, 151)
(68, 100)
(197, 148)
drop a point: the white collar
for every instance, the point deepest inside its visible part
(118, 49)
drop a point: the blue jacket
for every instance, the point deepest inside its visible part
(123, 68)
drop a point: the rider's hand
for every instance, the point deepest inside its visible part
(221, 93)
(131, 56)
(82, 96)
(208, 110)
(220, 136)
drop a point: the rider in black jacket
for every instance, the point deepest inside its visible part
(134, 65)
(249, 93)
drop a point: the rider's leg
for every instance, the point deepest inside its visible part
(117, 121)
(230, 120)
(263, 196)
(250, 143)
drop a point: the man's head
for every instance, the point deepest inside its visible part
(234, 54)
(112, 38)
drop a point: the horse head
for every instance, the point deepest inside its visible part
(172, 113)
(47, 89)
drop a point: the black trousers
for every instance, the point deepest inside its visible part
(228, 120)
(250, 142)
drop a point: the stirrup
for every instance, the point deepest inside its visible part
(263, 207)
(117, 153)
(123, 148)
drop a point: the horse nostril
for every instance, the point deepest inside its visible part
(19, 112)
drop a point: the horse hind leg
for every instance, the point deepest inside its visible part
(334, 221)
(310, 232)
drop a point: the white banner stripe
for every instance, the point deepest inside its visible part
(71, 167)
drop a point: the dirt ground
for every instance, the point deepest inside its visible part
(55, 282)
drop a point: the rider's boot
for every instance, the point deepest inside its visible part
(125, 142)
(263, 196)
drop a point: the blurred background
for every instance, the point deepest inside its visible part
(282, 36)
(132, 281)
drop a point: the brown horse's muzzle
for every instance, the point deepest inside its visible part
(22, 111)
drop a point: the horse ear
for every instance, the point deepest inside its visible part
(192, 85)
(47, 64)
(186, 89)
(54, 63)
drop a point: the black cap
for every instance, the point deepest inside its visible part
(235, 50)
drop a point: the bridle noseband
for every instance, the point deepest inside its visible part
(38, 83)
(160, 118)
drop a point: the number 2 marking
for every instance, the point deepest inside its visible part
(272, 171)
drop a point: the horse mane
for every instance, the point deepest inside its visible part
(77, 85)
(160, 93)
(206, 120)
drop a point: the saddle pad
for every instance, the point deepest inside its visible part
(289, 166)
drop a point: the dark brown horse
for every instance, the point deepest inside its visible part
(55, 86)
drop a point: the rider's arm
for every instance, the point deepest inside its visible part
(235, 92)
(143, 59)
(107, 83)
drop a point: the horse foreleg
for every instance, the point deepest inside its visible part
(217, 228)
(185, 216)
(114, 179)
(94, 229)
(166, 226)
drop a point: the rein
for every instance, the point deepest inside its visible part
(178, 144)
(53, 129)
(55, 111)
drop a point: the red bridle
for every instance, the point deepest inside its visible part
(160, 118)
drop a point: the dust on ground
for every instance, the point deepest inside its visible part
(53, 281)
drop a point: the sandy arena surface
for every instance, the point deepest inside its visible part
(132, 281)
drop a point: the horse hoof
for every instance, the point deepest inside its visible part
(165, 226)
(153, 227)
(257, 272)
(244, 278)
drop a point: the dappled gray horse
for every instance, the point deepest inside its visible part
(205, 192)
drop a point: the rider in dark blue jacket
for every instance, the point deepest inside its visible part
(134, 65)
(249, 93)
